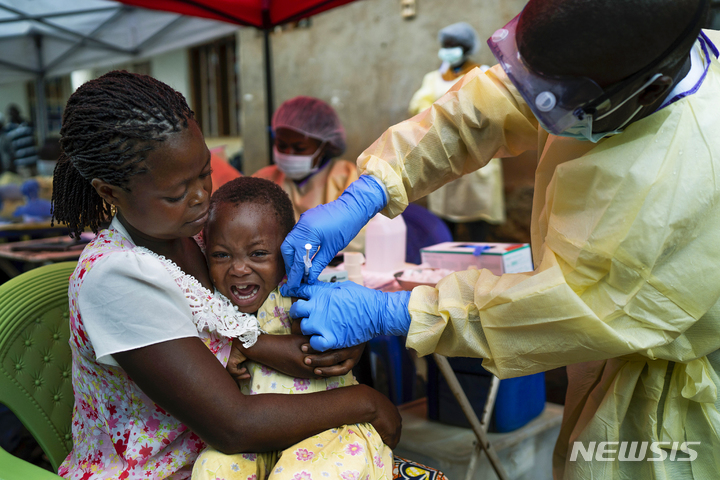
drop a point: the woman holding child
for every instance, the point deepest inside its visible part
(150, 335)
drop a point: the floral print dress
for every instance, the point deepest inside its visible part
(118, 431)
(350, 452)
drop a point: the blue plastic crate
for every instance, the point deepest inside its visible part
(518, 400)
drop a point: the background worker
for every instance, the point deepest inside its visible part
(21, 136)
(624, 230)
(476, 200)
(309, 140)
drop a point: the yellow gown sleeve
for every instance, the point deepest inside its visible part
(628, 265)
(480, 118)
(341, 175)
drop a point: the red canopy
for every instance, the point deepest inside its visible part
(263, 14)
(257, 13)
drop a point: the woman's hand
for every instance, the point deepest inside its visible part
(333, 362)
(282, 353)
(387, 420)
(234, 365)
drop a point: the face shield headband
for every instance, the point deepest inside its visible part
(563, 102)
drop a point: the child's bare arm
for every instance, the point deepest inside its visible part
(295, 327)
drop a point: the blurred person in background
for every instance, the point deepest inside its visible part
(6, 164)
(309, 138)
(475, 199)
(21, 135)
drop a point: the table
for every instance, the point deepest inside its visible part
(35, 258)
(12, 230)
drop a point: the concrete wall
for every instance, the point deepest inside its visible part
(363, 58)
(14, 93)
(173, 68)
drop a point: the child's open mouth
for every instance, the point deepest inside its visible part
(244, 294)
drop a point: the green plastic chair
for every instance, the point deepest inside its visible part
(35, 364)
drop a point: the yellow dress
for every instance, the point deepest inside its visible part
(323, 187)
(626, 288)
(349, 452)
(477, 195)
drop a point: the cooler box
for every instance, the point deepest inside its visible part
(518, 400)
(499, 258)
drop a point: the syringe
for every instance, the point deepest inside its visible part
(307, 260)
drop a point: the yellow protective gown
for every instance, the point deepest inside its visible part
(626, 287)
(472, 197)
(324, 186)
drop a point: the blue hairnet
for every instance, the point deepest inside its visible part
(314, 118)
(463, 33)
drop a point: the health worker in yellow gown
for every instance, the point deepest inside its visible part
(621, 101)
(476, 199)
(309, 138)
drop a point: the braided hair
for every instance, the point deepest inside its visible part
(109, 127)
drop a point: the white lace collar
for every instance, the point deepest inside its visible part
(211, 310)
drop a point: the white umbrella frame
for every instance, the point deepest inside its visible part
(46, 38)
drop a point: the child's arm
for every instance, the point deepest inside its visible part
(295, 327)
(292, 355)
(332, 363)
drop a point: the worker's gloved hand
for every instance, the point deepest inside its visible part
(331, 227)
(340, 315)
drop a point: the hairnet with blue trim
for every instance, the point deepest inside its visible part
(314, 118)
(463, 33)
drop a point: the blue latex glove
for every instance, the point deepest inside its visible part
(331, 226)
(340, 315)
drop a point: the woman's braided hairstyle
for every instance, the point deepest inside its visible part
(109, 126)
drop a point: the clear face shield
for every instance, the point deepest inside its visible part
(566, 105)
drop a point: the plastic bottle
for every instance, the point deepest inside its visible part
(385, 241)
(353, 265)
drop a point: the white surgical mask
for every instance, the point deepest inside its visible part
(452, 56)
(296, 167)
(583, 130)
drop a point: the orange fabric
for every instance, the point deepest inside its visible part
(323, 187)
(450, 75)
(222, 171)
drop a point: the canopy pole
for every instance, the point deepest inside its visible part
(269, 95)
(41, 123)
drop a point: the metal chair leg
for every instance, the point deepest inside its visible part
(478, 428)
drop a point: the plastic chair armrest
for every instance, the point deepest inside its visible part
(14, 468)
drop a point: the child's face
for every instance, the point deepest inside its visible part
(172, 199)
(242, 245)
